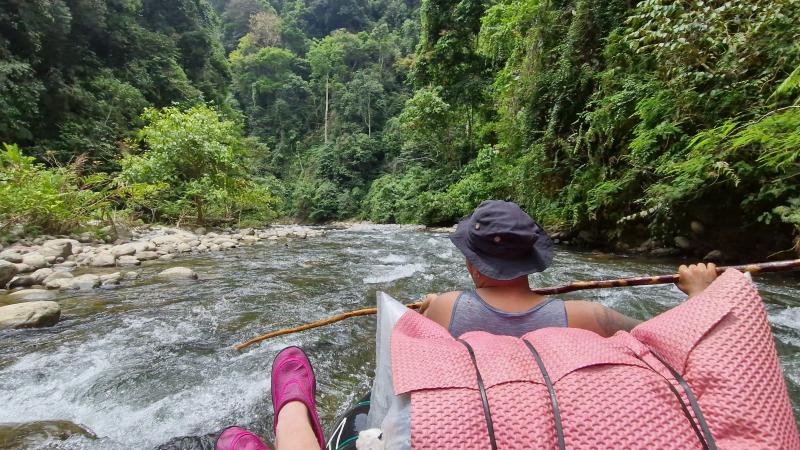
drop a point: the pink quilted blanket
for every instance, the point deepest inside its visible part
(611, 393)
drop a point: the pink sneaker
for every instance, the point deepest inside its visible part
(235, 438)
(293, 380)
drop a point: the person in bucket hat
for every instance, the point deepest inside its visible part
(502, 246)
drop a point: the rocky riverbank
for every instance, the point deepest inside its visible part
(34, 272)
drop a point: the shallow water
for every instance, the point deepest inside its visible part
(153, 360)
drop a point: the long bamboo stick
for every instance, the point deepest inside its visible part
(779, 266)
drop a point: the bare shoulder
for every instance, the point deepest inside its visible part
(441, 307)
(444, 300)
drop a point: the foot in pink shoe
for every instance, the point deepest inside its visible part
(235, 438)
(293, 380)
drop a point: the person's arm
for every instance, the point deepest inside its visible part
(605, 321)
(598, 318)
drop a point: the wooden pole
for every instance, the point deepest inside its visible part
(779, 266)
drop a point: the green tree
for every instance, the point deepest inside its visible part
(193, 161)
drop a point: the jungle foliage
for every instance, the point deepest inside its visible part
(605, 115)
(619, 117)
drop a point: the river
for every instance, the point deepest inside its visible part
(153, 360)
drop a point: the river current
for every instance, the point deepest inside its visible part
(153, 359)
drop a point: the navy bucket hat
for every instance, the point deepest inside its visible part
(502, 241)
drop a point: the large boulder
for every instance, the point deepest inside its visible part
(683, 242)
(57, 276)
(62, 284)
(41, 434)
(12, 256)
(171, 239)
(128, 260)
(178, 273)
(42, 274)
(35, 260)
(29, 295)
(7, 272)
(29, 315)
(57, 247)
(103, 260)
(714, 256)
(131, 275)
(123, 250)
(86, 282)
(146, 255)
(111, 279)
(21, 281)
(23, 268)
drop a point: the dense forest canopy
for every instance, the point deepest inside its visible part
(624, 120)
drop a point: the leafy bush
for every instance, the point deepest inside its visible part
(194, 166)
(47, 200)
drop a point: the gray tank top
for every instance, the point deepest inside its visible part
(472, 313)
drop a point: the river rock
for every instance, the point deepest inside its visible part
(57, 247)
(34, 260)
(664, 251)
(32, 295)
(697, 227)
(41, 434)
(86, 237)
(213, 247)
(62, 284)
(683, 243)
(7, 272)
(163, 240)
(199, 231)
(183, 247)
(250, 239)
(131, 275)
(103, 260)
(127, 260)
(42, 274)
(179, 273)
(146, 255)
(29, 315)
(23, 268)
(201, 248)
(228, 244)
(86, 282)
(66, 265)
(58, 276)
(123, 250)
(110, 279)
(22, 281)
(11, 256)
(166, 257)
(713, 256)
(143, 246)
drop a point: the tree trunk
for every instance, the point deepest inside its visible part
(369, 116)
(327, 97)
(198, 202)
